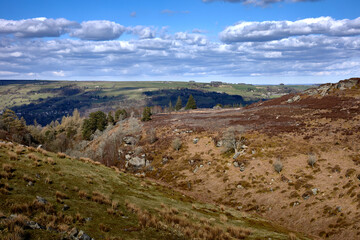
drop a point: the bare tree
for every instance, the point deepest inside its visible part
(233, 139)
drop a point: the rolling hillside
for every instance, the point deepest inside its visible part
(51, 196)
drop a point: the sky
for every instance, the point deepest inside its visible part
(237, 41)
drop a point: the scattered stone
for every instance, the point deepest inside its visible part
(30, 183)
(41, 200)
(219, 143)
(242, 167)
(239, 186)
(236, 164)
(129, 140)
(88, 219)
(83, 236)
(165, 160)
(209, 163)
(195, 140)
(191, 162)
(73, 233)
(37, 176)
(201, 165)
(306, 196)
(33, 225)
(338, 208)
(314, 191)
(236, 155)
(296, 204)
(189, 185)
(127, 157)
(196, 169)
(65, 208)
(253, 151)
(137, 162)
(39, 147)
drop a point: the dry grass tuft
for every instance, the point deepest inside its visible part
(19, 150)
(5, 175)
(61, 155)
(48, 180)
(100, 198)
(33, 157)
(27, 178)
(83, 194)
(104, 228)
(238, 232)
(32, 149)
(61, 195)
(223, 218)
(24, 208)
(13, 156)
(8, 168)
(50, 161)
(292, 236)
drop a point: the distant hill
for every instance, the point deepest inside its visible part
(47, 101)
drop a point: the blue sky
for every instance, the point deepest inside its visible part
(253, 41)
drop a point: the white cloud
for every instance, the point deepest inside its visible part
(99, 30)
(36, 27)
(275, 30)
(142, 31)
(183, 54)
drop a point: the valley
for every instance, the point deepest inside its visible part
(291, 161)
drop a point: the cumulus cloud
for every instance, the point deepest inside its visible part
(99, 30)
(142, 31)
(274, 30)
(318, 50)
(259, 2)
(36, 27)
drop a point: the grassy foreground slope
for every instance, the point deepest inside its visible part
(59, 194)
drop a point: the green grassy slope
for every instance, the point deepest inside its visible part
(108, 204)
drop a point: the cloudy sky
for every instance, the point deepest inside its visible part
(252, 41)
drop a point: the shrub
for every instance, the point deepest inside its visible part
(312, 159)
(152, 135)
(278, 166)
(176, 144)
(146, 114)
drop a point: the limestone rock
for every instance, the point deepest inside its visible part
(137, 162)
(41, 200)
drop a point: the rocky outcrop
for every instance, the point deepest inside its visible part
(325, 89)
